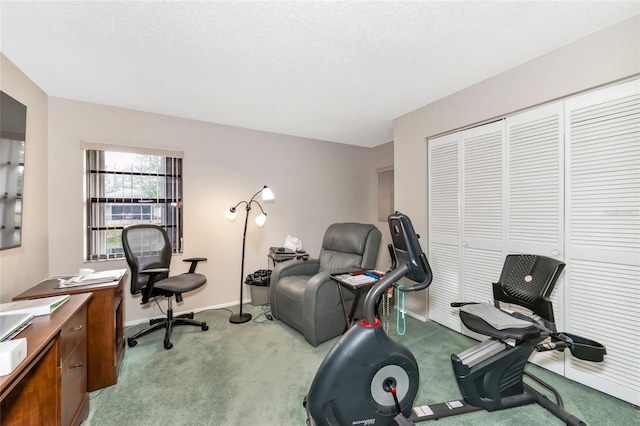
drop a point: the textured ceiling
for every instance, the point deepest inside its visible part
(335, 71)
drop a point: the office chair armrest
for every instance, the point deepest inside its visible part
(194, 262)
(153, 274)
(154, 271)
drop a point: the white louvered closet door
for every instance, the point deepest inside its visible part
(534, 202)
(482, 253)
(466, 248)
(603, 235)
(444, 224)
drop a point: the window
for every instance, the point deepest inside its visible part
(125, 188)
(385, 193)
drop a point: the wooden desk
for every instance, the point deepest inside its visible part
(105, 327)
(50, 386)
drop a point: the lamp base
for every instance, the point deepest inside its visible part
(239, 318)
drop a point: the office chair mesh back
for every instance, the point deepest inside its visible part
(528, 280)
(146, 247)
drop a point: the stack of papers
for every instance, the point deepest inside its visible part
(95, 278)
(36, 307)
(356, 279)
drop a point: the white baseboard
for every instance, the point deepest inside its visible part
(416, 316)
(411, 314)
(224, 305)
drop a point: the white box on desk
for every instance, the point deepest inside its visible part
(12, 353)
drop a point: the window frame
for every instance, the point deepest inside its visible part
(171, 204)
(386, 204)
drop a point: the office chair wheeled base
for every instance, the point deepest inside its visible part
(167, 323)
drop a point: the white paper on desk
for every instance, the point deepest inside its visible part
(293, 243)
(95, 278)
(359, 279)
(35, 307)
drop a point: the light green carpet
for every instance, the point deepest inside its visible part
(256, 374)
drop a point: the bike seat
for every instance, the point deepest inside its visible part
(493, 322)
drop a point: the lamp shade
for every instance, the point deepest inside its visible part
(267, 194)
(261, 219)
(231, 214)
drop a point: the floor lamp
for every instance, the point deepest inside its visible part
(231, 214)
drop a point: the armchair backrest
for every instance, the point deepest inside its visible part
(146, 246)
(350, 245)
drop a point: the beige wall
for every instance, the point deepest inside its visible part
(22, 267)
(315, 183)
(599, 59)
(381, 156)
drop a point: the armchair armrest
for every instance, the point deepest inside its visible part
(194, 262)
(295, 267)
(153, 274)
(291, 267)
(321, 296)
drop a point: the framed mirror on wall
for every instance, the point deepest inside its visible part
(13, 123)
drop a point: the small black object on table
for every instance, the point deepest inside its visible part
(281, 254)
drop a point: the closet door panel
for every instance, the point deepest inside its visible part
(604, 307)
(535, 181)
(603, 235)
(534, 201)
(482, 267)
(481, 212)
(482, 215)
(466, 248)
(445, 261)
(444, 224)
(444, 209)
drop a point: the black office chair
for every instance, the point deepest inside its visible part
(148, 252)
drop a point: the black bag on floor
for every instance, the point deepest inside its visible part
(260, 278)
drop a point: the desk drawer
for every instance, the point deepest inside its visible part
(72, 333)
(74, 382)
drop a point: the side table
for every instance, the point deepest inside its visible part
(105, 331)
(348, 281)
(283, 257)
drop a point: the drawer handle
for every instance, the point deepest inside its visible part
(77, 328)
(77, 365)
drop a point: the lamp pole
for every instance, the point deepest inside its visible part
(267, 194)
(240, 317)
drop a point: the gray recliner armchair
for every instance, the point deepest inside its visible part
(302, 293)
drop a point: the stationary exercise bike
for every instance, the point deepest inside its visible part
(367, 378)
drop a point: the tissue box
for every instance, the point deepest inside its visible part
(12, 353)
